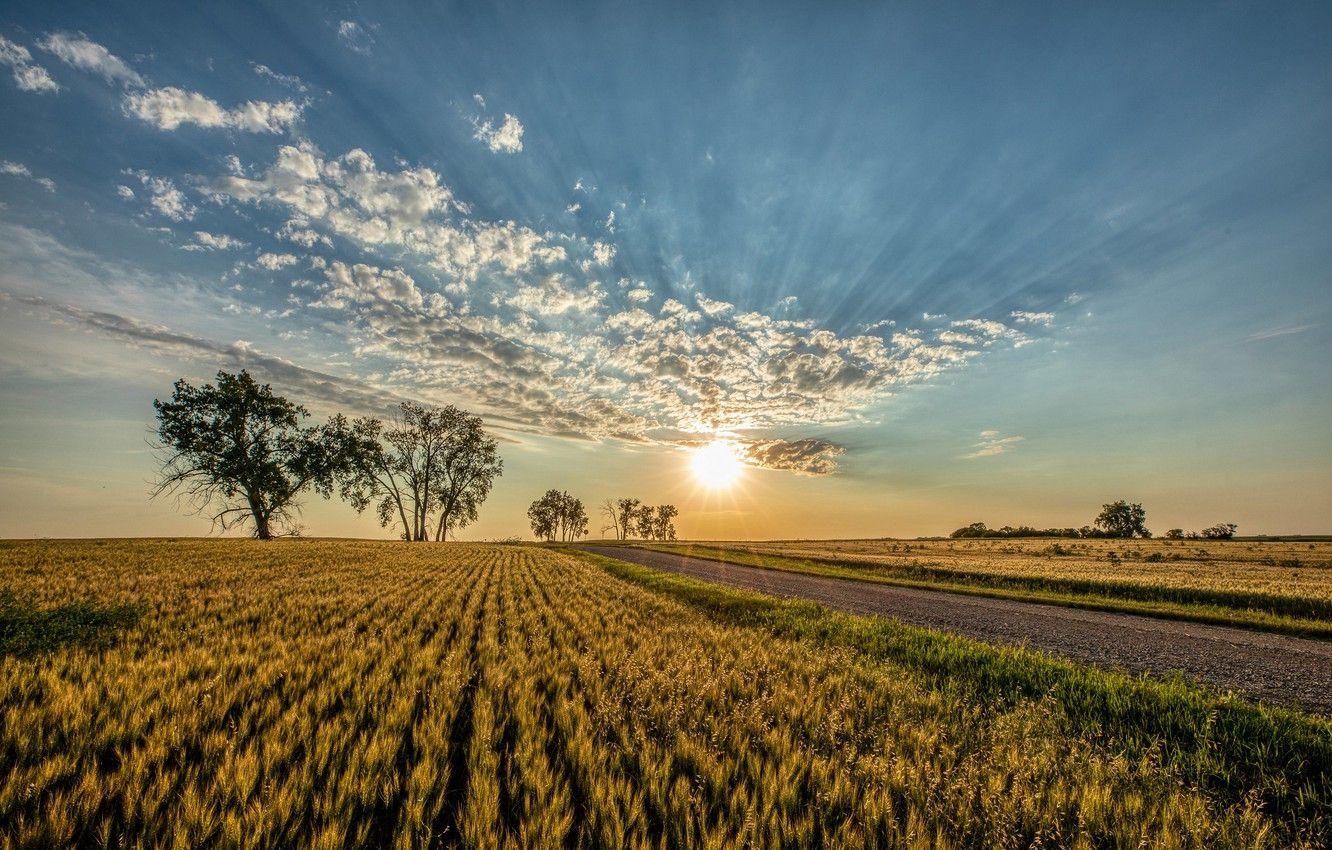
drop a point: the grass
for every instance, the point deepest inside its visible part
(27, 630)
(1233, 584)
(325, 694)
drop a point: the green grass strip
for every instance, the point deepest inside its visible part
(1221, 744)
(1216, 608)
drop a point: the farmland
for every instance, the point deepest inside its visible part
(322, 693)
(1281, 586)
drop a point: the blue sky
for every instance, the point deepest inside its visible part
(921, 267)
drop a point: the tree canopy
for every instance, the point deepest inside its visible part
(430, 469)
(558, 516)
(239, 450)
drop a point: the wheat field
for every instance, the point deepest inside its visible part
(329, 694)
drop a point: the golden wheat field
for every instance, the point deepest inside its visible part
(330, 694)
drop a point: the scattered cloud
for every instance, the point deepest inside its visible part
(27, 76)
(204, 241)
(274, 262)
(18, 169)
(1026, 317)
(356, 37)
(993, 443)
(506, 138)
(809, 456)
(1272, 333)
(291, 81)
(168, 108)
(75, 50)
(165, 197)
(125, 193)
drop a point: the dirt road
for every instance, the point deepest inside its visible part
(1273, 668)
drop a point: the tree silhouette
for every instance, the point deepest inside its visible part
(238, 449)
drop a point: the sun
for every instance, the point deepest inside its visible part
(716, 465)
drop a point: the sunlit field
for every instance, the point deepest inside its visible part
(326, 694)
(1283, 586)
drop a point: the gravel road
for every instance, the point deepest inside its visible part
(1272, 668)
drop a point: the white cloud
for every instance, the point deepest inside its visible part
(713, 308)
(273, 262)
(365, 284)
(507, 138)
(602, 254)
(1026, 317)
(355, 36)
(125, 193)
(291, 81)
(204, 240)
(992, 443)
(573, 209)
(165, 197)
(639, 295)
(168, 108)
(27, 76)
(18, 169)
(75, 50)
(552, 297)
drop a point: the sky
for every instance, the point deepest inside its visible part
(916, 266)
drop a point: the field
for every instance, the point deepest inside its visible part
(321, 694)
(1281, 586)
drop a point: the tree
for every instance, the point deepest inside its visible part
(610, 516)
(663, 525)
(558, 515)
(645, 522)
(1220, 531)
(1175, 534)
(625, 515)
(468, 467)
(238, 449)
(427, 460)
(1120, 519)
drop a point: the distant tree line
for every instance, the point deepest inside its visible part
(1220, 531)
(559, 516)
(1116, 520)
(240, 451)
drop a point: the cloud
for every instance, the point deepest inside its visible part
(324, 390)
(992, 443)
(411, 208)
(214, 242)
(639, 295)
(363, 284)
(75, 50)
(168, 108)
(18, 169)
(273, 262)
(552, 297)
(507, 138)
(291, 81)
(1025, 317)
(355, 36)
(125, 193)
(165, 197)
(713, 308)
(1272, 333)
(27, 76)
(809, 456)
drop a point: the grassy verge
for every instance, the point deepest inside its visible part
(1260, 612)
(1229, 748)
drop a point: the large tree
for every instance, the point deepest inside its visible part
(1121, 519)
(427, 461)
(239, 450)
